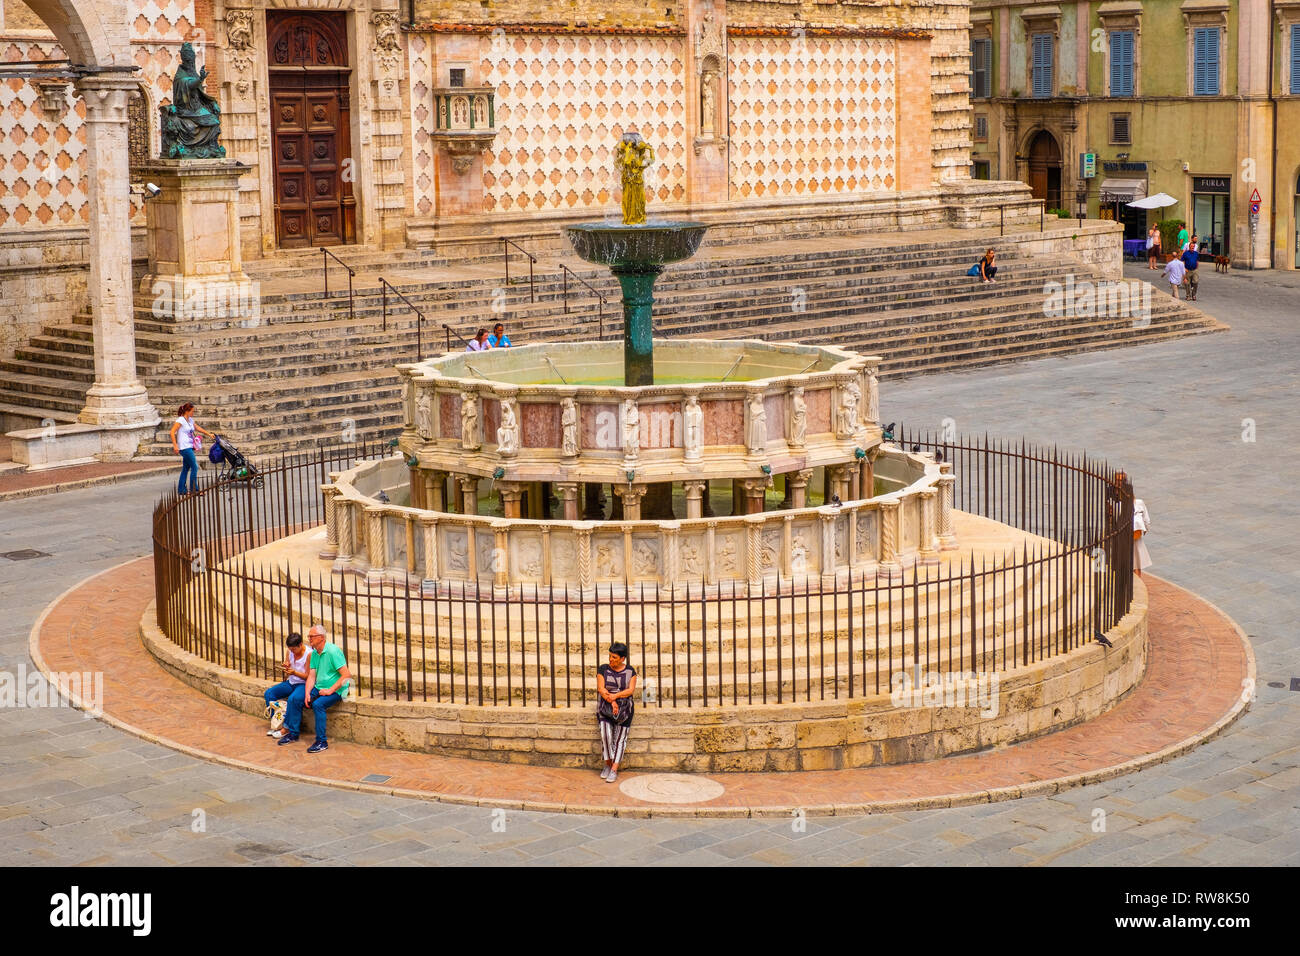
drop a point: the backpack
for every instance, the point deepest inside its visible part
(974, 270)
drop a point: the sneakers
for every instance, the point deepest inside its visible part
(276, 734)
(317, 747)
(287, 739)
(604, 772)
(613, 775)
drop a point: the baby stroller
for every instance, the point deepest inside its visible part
(236, 468)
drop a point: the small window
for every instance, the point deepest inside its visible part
(1120, 135)
(457, 76)
(1295, 58)
(980, 169)
(981, 128)
(981, 68)
(1121, 63)
(1042, 64)
(1205, 61)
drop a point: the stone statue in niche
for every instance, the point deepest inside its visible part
(873, 396)
(850, 394)
(798, 418)
(693, 428)
(708, 103)
(191, 125)
(424, 413)
(508, 432)
(470, 438)
(569, 428)
(631, 429)
(756, 434)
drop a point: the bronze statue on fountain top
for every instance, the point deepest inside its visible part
(191, 125)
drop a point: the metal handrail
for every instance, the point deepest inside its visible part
(1002, 210)
(325, 257)
(532, 261)
(384, 286)
(600, 299)
(450, 332)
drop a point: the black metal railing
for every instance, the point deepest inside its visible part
(600, 299)
(1064, 579)
(450, 332)
(532, 261)
(325, 257)
(385, 287)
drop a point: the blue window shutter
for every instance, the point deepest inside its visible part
(988, 67)
(1212, 61)
(1205, 56)
(1042, 64)
(1198, 62)
(1295, 58)
(1121, 63)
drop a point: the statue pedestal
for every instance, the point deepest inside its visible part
(193, 229)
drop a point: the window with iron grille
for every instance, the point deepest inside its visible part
(1120, 135)
(1042, 64)
(1121, 63)
(981, 68)
(981, 127)
(1205, 61)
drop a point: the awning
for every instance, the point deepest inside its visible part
(1123, 190)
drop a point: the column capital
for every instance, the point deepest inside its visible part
(802, 477)
(106, 96)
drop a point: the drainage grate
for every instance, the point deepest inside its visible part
(375, 778)
(24, 555)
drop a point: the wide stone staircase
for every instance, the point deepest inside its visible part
(312, 368)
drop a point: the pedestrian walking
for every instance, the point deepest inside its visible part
(1174, 273)
(1141, 525)
(1191, 265)
(615, 684)
(187, 442)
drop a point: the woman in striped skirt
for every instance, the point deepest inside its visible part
(615, 683)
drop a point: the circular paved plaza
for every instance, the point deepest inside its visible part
(74, 790)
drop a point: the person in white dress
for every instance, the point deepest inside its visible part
(1141, 525)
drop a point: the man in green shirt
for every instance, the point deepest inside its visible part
(1183, 236)
(328, 681)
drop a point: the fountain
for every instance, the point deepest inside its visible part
(636, 252)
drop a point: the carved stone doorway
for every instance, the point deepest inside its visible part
(310, 140)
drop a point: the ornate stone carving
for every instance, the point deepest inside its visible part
(692, 428)
(563, 557)
(471, 437)
(645, 558)
(424, 413)
(631, 430)
(691, 560)
(728, 554)
(756, 425)
(387, 48)
(847, 419)
(873, 395)
(569, 428)
(530, 558)
(458, 551)
(508, 432)
(239, 38)
(609, 559)
(798, 418)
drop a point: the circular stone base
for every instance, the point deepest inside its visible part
(671, 788)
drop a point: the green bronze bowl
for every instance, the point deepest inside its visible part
(653, 244)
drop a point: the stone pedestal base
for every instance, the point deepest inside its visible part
(56, 446)
(193, 228)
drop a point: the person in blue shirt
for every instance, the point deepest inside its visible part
(1191, 259)
(498, 339)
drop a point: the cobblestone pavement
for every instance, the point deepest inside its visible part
(73, 790)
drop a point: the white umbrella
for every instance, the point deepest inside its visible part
(1158, 201)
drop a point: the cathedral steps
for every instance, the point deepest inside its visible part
(307, 367)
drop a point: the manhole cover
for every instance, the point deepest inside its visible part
(375, 778)
(671, 788)
(24, 555)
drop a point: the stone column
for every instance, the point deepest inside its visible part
(755, 489)
(671, 553)
(585, 579)
(435, 490)
(468, 485)
(430, 536)
(511, 495)
(753, 549)
(116, 400)
(343, 518)
(568, 492)
(694, 498)
(929, 502)
(840, 478)
(331, 549)
(867, 477)
(799, 487)
(947, 484)
(889, 518)
(828, 546)
(376, 541)
(631, 496)
(501, 555)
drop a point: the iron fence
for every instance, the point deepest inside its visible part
(818, 638)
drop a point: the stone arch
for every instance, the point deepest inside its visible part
(1043, 158)
(92, 34)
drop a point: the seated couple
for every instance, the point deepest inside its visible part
(319, 679)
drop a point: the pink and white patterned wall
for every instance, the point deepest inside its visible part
(563, 102)
(810, 116)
